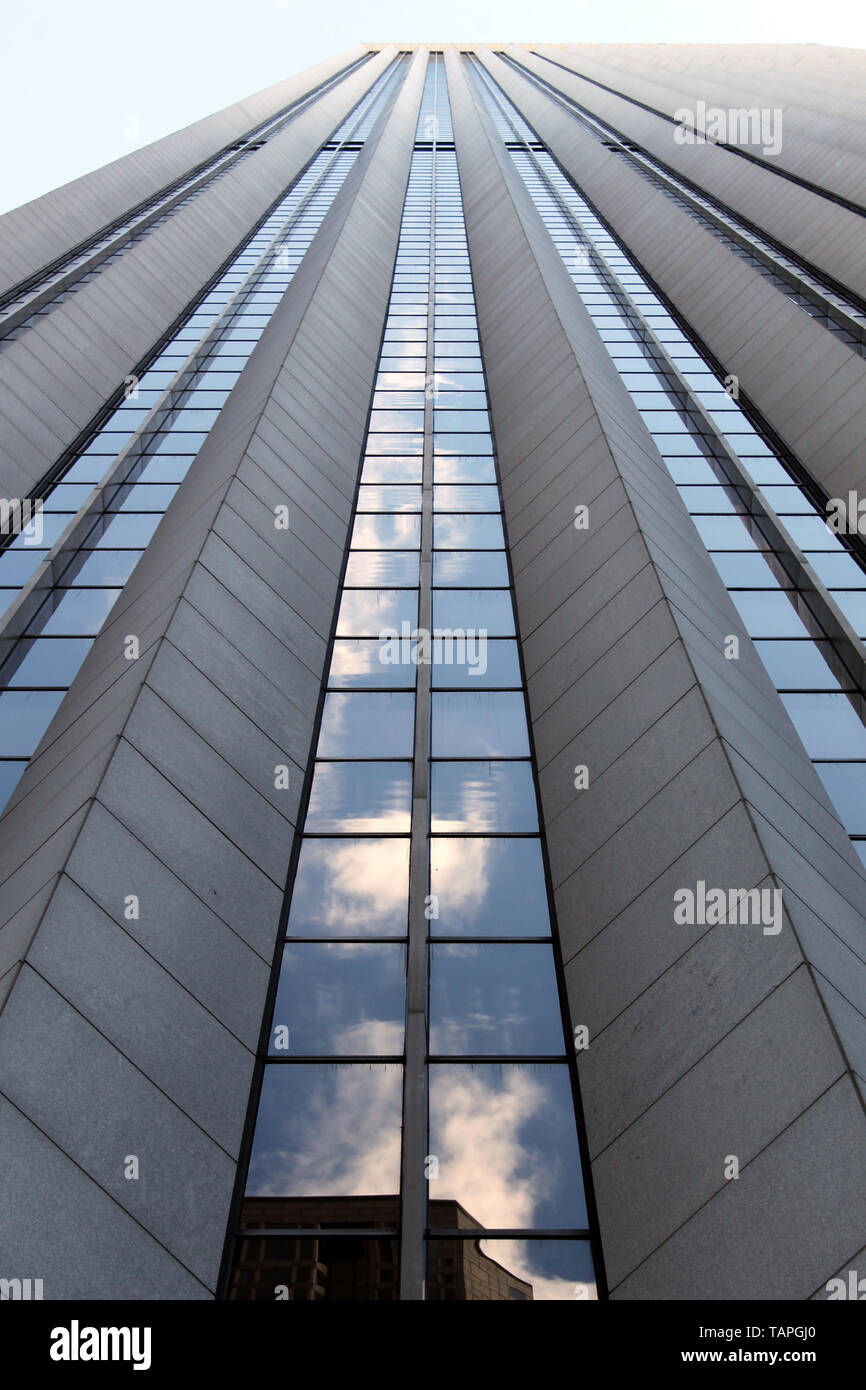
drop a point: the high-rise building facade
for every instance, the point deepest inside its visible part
(432, 691)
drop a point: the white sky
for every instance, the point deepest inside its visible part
(75, 71)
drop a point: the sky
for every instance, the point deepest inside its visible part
(86, 81)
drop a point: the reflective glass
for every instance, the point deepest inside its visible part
(742, 569)
(853, 605)
(723, 533)
(386, 532)
(377, 568)
(388, 498)
(467, 532)
(78, 612)
(493, 664)
(380, 468)
(370, 612)
(484, 724)
(360, 798)
(505, 1270)
(448, 498)
(838, 571)
(462, 443)
(505, 1137)
(484, 610)
(469, 568)
(846, 786)
(325, 1267)
(395, 443)
(111, 567)
(24, 717)
(358, 662)
(351, 887)
(455, 468)
(125, 530)
(339, 998)
(810, 533)
(488, 887)
(768, 614)
(11, 772)
(51, 661)
(479, 796)
(494, 1000)
(327, 1128)
(362, 725)
(16, 566)
(828, 725)
(796, 665)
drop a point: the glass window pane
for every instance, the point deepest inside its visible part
(111, 567)
(396, 420)
(483, 664)
(488, 887)
(482, 610)
(470, 568)
(827, 725)
(743, 570)
(331, 1267)
(122, 530)
(367, 726)
(386, 532)
(145, 497)
(505, 1270)
(24, 717)
(381, 568)
(360, 798)
(340, 999)
(11, 773)
(351, 887)
(796, 665)
(494, 1000)
(52, 661)
(769, 614)
(467, 532)
(395, 443)
(463, 444)
(838, 571)
(456, 469)
(811, 533)
(471, 421)
(505, 1137)
(479, 796)
(723, 533)
(846, 787)
(382, 469)
(327, 1128)
(16, 566)
(370, 612)
(853, 605)
(465, 498)
(488, 724)
(78, 612)
(358, 663)
(389, 498)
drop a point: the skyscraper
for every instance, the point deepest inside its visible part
(432, 688)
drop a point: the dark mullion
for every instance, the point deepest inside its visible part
(509, 1233)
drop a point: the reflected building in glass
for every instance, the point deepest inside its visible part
(432, 695)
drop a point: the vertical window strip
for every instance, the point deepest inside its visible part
(418, 937)
(836, 312)
(198, 180)
(168, 418)
(645, 344)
